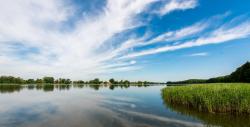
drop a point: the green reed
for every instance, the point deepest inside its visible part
(216, 98)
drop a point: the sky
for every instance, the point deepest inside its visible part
(153, 40)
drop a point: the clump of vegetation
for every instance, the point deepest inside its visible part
(46, 80)
(62, 81)
(11, 80)
(215, 98)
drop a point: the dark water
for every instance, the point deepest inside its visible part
(84, 106)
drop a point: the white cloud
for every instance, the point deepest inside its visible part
(187, 32)
(183, 33)
(73, 52)
(174, 5)
(199, 54)
(83, 49)
(225, 33)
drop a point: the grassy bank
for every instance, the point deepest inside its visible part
(217, 98)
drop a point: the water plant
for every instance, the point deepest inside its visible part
(215, 98)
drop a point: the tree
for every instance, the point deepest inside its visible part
(112, 81)
(78, 82)
(30, 81)
(11, 79)
(48, 80)
(39, 81)
(126, 82)
(67, 81)
(95, 81)
(242, 74)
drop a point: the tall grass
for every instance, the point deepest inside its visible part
(216, 98)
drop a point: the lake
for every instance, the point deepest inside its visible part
(84, 106)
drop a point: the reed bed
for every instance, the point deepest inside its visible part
(215, 98)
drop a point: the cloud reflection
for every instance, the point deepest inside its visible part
(86, 107)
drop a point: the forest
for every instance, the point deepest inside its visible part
(241, 74)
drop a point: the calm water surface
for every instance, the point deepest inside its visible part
(82, 106)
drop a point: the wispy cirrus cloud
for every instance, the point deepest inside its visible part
(199, 54)
(65, 45)
(224, 33)
(177, 35)
(174, 5)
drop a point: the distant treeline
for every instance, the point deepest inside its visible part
(46, 80)
(113, 81)
(242, 74)
(52, 80)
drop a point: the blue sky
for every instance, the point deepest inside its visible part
(155, 40)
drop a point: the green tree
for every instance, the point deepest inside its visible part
(67, 81)
(95, 81)
(242, 74)
(78, 82)
(49, 80)
(39, 81)
(126, 82)
(30, 81)
(11, 79)
(112, 81)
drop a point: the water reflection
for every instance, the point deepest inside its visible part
(95, 106)
(88, 106)
(10, 88)
(51, 88)
(210, 119)
(63, 87)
